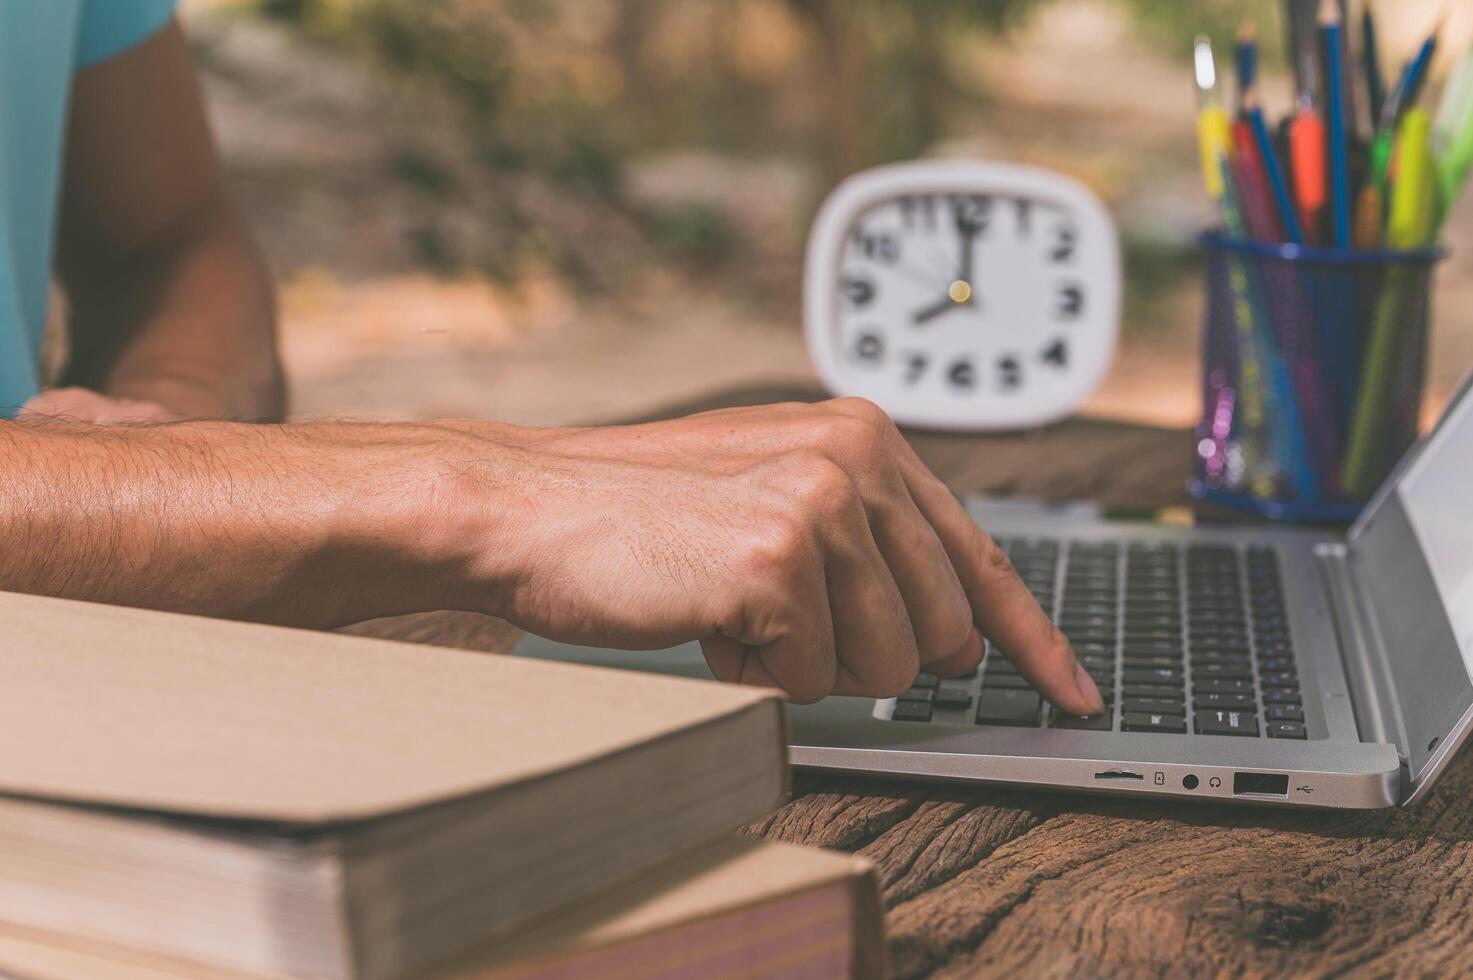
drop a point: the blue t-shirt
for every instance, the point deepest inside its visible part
(42, 42)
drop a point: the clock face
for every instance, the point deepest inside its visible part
(964, 296)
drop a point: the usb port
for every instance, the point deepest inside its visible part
(1260, 784)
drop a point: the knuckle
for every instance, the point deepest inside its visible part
(866, 411)
(955, 631)
(821, 486)
(778, 546)
(807, 692)
(863, 436)
(895, 681)
(994, 557)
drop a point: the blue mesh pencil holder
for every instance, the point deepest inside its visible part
(1314, 363)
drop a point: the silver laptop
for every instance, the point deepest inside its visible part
(1268, 665)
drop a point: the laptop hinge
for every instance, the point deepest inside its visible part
(1362, 652)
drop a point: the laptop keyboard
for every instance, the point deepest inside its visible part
(1179, 638)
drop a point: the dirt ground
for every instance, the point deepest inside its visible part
(366, 334)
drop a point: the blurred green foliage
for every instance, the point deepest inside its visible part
(567, 91)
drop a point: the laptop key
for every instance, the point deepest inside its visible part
(1284, 712)
(1155, 706)
(1008, 707)
(1231, 702)
(1285, 729)
(1222, 686)
(1281, 695)
(952, 699)
(1152, 690)
(1227, 722)
(1155, 648)
(925, 680)
(1138, 662)
(1097, 723)
(1153, 675)
(996, 681)
(919, 695)
(1224, 670)
(910, 711)
(1146, 722)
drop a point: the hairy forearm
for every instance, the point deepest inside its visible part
(315, 525)
(189, 325)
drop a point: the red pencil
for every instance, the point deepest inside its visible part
(1255, 197)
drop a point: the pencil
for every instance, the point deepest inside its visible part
(1375, 86)
(1413, 205)
(1256, 443)
(1329, 20)
(1246, 52)
(1288, 218)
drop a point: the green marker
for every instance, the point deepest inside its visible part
(1452, 138)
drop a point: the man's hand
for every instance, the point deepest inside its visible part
(806, 547)
(85, 405)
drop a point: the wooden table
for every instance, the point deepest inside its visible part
(981, 881)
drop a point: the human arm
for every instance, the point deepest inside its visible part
(170, 302)
(804, 546)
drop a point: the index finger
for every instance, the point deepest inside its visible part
(1003, 607)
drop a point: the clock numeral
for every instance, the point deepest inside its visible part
(1025, 217)
(918, 212)
(881, 247)
(1009, 373)
(972, 213)
(915, 366)
(858, 290)
(962, 375)
(1057, 354)
(869, 348)
(1066, 240)
(1070, 302)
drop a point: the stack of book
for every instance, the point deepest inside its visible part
(189, 797)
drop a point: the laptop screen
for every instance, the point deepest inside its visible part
(1437, 494)
(1413, 550)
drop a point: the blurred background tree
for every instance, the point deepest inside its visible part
(619, 191)
(571, 90)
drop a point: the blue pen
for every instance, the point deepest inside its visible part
(1246, 52)
(1285, 203)
(1339, 163)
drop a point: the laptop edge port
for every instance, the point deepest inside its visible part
(1123, 774)
(1260, 784)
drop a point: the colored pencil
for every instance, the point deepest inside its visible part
(1256, 442)
(1246, 58)
(1329, 20)
(1375, 86)
(1288, 218)
(1413, 207)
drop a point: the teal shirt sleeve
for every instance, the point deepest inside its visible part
(110, 27)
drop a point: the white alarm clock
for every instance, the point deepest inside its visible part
(963, 295)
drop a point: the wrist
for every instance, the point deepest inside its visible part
(441, 513)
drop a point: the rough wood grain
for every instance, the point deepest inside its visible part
(984, 882)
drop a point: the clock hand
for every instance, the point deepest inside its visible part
(933, 311)
(968, 230)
